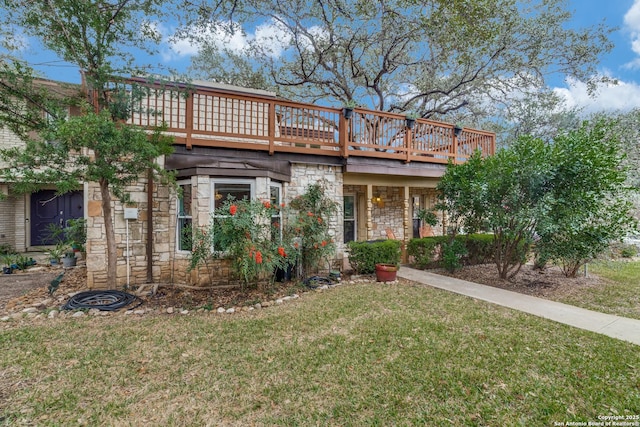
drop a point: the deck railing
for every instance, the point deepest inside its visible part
(198, 116)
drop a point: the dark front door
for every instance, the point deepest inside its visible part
(47, 208)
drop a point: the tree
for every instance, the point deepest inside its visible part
(588, 204)
(569, 196)
(503, 194)
(626, 126)
(103, 39)
(434, 58)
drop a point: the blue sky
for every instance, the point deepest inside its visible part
(623, 63)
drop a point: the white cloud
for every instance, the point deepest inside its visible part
(632, 25)
(610, 97)
(15, 42)
(270, 36)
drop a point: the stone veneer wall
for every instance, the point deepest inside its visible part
(302, 176)
(169, 265)
(391, 214)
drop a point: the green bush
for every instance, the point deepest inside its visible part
(479, 248)
(453, 252)
(628, 251)
(424, 250)
(363, 256)
(427, 252)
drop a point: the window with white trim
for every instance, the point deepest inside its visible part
(185, 231)
(223, 190)
(349, 218)
(275, 197)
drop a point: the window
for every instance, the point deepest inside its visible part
(224, 190)
(184, 217)
(349, 218)
(230, 190)
(275, 197)
(416, 220)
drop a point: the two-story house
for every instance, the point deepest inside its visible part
(229, 141)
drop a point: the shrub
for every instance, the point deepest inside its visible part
(308, 223)
(363, 256)
(479, 248)
(424, 250)
(628, 251)
(452, 253)
(428, 251)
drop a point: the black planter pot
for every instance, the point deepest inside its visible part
(284, 275)
(7, 270)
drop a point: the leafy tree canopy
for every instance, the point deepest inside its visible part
(436, 57)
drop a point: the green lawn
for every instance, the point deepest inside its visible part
(368, 354)
(618, 294)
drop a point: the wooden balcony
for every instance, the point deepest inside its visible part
(200, 116)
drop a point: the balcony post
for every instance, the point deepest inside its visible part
(343, 136)
(454, 147)
(188, 121)
(272, 127)
(408, 136)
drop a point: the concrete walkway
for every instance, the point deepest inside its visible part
(613, 326)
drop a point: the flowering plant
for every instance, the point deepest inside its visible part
(309, 223)
(243, 232)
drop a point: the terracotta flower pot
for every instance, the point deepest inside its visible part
(386, 272)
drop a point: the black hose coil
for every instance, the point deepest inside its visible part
(108, 300)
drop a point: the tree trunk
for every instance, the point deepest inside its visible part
(109, 233)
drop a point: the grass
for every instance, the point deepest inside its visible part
(366, 354)
(618, 294)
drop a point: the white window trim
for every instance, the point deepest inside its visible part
(355, 216)
(279, 202)
(212, 201)
(178, 217)
(214, 181)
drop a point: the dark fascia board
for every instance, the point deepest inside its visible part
(393, 167)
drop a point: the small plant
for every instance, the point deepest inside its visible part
(412, 115)
(7, 260)
(75, 234)
(6, 248)
(57, 252)
(350, 104)
(23, 262)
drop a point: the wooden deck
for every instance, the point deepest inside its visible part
(199, 116)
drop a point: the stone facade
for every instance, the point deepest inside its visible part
(170, 265)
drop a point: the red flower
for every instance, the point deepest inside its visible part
(281, 252)
(276, 224)
(259, 257)
(233, 209)
(282, 205)
(319, 220)
(295, 245)
(324, 243)
(309, 213)
(267, 204)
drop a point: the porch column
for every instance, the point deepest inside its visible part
(369, 212)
